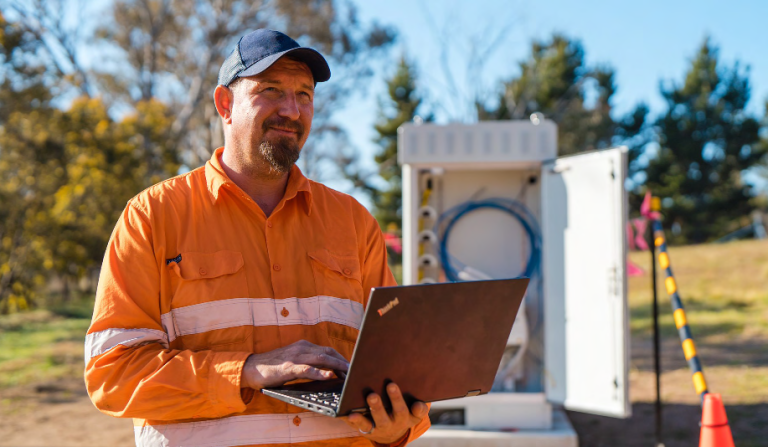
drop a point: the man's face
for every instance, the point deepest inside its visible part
(272, 115)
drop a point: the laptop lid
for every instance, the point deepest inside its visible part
(436, 341)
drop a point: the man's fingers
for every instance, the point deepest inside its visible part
(310, 372)
(419, 410)
(400, 412)
(378, 412)
(306, 347)
(334, 353)
(324, 361)
(358, 421)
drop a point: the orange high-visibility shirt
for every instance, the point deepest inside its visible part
(196, 278)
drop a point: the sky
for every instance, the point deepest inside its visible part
(645, 42)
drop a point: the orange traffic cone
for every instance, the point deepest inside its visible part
(715, 431)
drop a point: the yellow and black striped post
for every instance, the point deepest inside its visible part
(678, 312)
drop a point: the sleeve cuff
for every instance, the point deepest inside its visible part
(399, 443)
(224, 373)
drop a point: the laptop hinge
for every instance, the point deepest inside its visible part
(472, 393)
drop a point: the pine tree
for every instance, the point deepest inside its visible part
(555, 81)
(707, 139)
(398, 107)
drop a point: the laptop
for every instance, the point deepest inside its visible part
(436, 341)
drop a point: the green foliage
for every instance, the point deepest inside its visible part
(66, 173)
(397, 108)
(69, 174)
(555, 81)
(68, 164)
(707, 139)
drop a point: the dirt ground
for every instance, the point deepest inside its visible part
(681, 410)
(60, 414)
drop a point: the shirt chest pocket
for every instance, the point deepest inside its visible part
(337, 275)
(209, 291)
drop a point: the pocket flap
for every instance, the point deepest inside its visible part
(194, 265)
(345, 265)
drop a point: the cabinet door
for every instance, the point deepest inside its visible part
(584, 215)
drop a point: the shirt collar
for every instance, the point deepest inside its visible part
(216, 178)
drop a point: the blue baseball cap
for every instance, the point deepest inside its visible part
(258, 50)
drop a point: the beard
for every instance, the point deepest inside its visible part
(281, 152)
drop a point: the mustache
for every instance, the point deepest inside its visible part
(284, 123)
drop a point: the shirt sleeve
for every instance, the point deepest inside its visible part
(130, 370)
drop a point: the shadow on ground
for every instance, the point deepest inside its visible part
(680, 426)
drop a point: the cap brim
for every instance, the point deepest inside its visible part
(314, 60)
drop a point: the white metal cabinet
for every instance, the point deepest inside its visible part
(580, 203)
(584, 266)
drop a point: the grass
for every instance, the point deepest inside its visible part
(43, 345)
(724, 288)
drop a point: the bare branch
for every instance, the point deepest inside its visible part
(47, 25)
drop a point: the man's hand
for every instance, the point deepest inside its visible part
(386, 428)
(300, 360)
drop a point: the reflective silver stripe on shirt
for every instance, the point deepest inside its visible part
(251, 429)
(100, 342)
(236, 312)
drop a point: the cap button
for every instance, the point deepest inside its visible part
(202, 272)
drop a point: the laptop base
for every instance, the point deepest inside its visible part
(319, 396)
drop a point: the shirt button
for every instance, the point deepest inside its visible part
(297, 421)
(276, 267)
(202, 272)
(347, 272)
(269, 224)
(285, 313)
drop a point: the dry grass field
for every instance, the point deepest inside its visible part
(724, 288)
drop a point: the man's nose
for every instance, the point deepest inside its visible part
(289, 107)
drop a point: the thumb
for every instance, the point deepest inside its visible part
(419, 409)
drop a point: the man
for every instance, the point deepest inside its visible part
(240, 275)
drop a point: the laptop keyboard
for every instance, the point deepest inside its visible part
(326, 398)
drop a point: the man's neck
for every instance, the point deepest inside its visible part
(264, 187)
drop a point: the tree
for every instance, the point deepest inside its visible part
(25, 191)
(77, 141)
(66, 172)
(172, 51)
(707, 140)
(555, 81)
(400, 106)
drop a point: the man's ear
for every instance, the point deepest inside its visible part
(223, 97)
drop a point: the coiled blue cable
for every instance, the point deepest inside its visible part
(513, 207)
